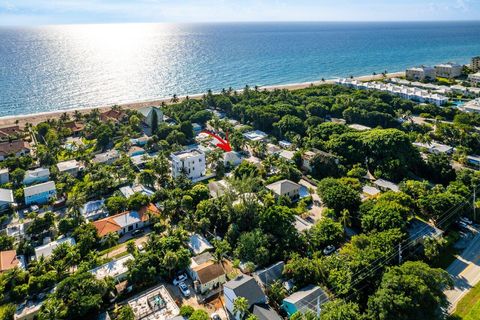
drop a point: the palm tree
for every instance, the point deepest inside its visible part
(75, 202)
(174, 99)
(52, 309)
(77, 115)
(345, 218)
(111, 239)
(240, 306)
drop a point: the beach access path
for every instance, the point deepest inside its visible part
(42, 117)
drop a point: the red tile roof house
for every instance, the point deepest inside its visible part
(17, 148)
(8, 260)
(125, 222)
(113, 115)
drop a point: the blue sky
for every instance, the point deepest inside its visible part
(38, 12)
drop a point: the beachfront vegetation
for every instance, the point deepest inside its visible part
(247, 223)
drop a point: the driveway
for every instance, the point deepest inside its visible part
(465, 271)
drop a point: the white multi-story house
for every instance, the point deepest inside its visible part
(189, 162)
(420, 73)
(40, 193)
(449, 70)
(71, 167)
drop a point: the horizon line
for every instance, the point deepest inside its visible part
(240, 22)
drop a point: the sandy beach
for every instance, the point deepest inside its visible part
(44, 116)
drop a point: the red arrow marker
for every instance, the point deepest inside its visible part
(222, 144)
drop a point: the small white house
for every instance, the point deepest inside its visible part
(71, 167)
(285, 188)
(198, 244)
(116, 269)
(40, 193)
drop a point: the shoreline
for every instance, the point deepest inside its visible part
(35, 118)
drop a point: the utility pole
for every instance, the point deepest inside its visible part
(474, 204)
(399, 253)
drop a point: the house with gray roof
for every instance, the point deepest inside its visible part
(285, 188)
(242, 286)
(6, 199)
(265, 312)
(308, 298)
(270, 274)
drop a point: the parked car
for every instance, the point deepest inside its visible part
(138, 232)
(141, 248)
(328, 250)
(215, 316)
(181, 277)
(184, 289)
(466, 220)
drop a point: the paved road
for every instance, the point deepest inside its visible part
(465, 271)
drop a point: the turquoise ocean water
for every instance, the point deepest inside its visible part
(64, 67)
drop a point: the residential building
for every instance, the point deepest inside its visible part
(16, 148)
(125, 222)
(75, 127)
(114, 115)
(129, 191)
(285, 144)
(116, 269)
(10, 260)
(419, 230)
(155, 303)
(386, 185)
(472, 106)
(474, 161)
(9, 132)
(475, 65)
(72, 167)
(47, 249)
(17, 230)
(285, 188)
(255, 135)
(198, 244)
(359, 127)
(191, 162)
(449, 70)
(28, 310)
(434, 147)
(421, 73)
(242, 286)
(406, 92)
(136, 151)
(142, 141)
(308, 156)
(474, 79)
(40, 193)
(369, 192)
(208, 276)
(232, 159)
(4, 176)
(107, 157)
(38, 175)
(307, 298)
(218, 188)
(302, 225)
(94, 210)
(6, 199)
(265, 312)
(265, 277)
(287, 155)
(148, 114)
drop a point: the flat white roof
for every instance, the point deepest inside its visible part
(47, 249)
(6, 195)
(183, 155)
(39, 188)
(113, 268)
(37, 173)
(198, 244)
(67, 165)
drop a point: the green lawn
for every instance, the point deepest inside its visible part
(469, 307)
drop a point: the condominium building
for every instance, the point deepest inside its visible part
(189, 162)
(474, 79)
(475, 64)
(472, 106)
(449, 70)
(405, 92)
(420, 73)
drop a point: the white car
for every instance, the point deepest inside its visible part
(184, 289)
(328, 250)
(215, 316)
(179, 278)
